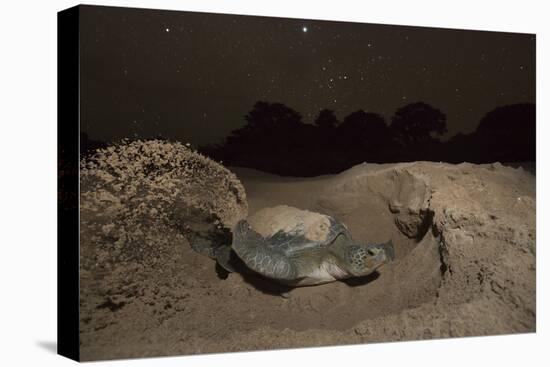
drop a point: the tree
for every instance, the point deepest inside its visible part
(361, 129)
(326, 119)
(363, 136)
(418, 123)
(508, 133)
(271, 140)
(265, 115)
(268, 125)
(510, 120)
(322, 140)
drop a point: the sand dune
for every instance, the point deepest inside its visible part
(464, 237)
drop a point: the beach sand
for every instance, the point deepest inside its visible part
(464, 239)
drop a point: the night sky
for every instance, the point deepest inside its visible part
(193, 76)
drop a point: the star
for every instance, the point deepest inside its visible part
(167, 30)
(304, 29)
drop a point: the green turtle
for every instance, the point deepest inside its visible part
(299, 248)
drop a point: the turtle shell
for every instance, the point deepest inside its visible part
(293, 230)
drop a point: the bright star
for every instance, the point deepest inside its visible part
(167, 29)
(304, 29)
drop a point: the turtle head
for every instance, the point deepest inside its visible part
(364, 259)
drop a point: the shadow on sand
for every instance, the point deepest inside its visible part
(271, 287)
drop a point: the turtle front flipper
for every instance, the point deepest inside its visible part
(252, 248)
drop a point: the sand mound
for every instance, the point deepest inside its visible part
(160, 175)
(133, 189)
(141, 203)
(464, 238)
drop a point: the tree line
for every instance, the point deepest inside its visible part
(276, 140)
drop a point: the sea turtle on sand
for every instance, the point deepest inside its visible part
(298, 247)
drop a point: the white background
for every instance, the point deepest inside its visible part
(28, 181)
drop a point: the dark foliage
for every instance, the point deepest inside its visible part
(326, 120)
(364, 136)
(276, 140)
(505, 134)
(418, 123)
(508, 133)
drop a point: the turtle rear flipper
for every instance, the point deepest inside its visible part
(223, 257)
(266, 260)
